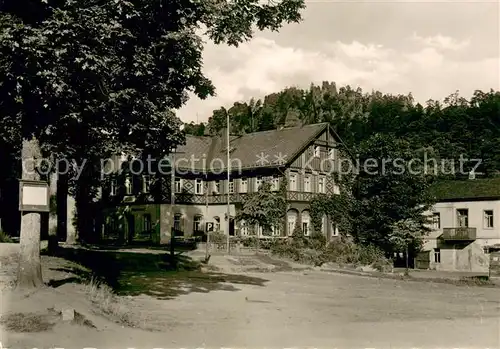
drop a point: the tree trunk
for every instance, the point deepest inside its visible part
(72, 233)
(53, 244)
(29, 274)
(83, 216)
(62, 206)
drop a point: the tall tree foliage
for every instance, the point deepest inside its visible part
(454, 127)
(388, 187)
(89, 78)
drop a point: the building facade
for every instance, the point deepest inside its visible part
(463, 226)
(137, 204)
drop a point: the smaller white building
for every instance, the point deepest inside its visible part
(465, 221)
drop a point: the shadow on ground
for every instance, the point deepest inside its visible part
(153, 274)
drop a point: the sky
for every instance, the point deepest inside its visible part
(428, 48)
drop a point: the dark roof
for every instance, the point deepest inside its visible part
(289, 142)
(463, 190)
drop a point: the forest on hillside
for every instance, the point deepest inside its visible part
(449, 129)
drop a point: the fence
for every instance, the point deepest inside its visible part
(241, 245)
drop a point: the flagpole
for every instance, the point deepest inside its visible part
(172, 204)
(228, 178)
(206, 219)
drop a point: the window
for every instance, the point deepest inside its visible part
(488, 218)
(331, 153)
(231, 186)
(243, 185)
(178, 185)
(146, 183)
(321, 185)
(128, 185)
(293, 181)
(147, 222)
(260, 231)
(112, 189)
(258, 182)
(463, 217)
(244, 228)
(335, 230)
(198, 186)
(197, 223)
(216, 187)
(292, 221)
(307, 183)
(323, 225)
(437, 255)
(305, 228)
(317, 151)
(436, 220)
(305, 223)
(275, 183)
(276, 230)
(177, 222)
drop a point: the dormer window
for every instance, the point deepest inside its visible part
(331, 153)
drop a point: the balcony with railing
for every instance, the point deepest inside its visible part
(459, 234)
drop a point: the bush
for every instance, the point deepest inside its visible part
(313, 250)
(4, 237)
(266, 244)
(249, 241)
(218, 238)
(317, 241)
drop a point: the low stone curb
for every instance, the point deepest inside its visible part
(399, 276)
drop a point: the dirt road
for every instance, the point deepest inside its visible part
(290, 309)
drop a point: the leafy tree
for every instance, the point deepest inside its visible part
(406, 233)
(264, 208)
(105, 75)
(387, 190)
